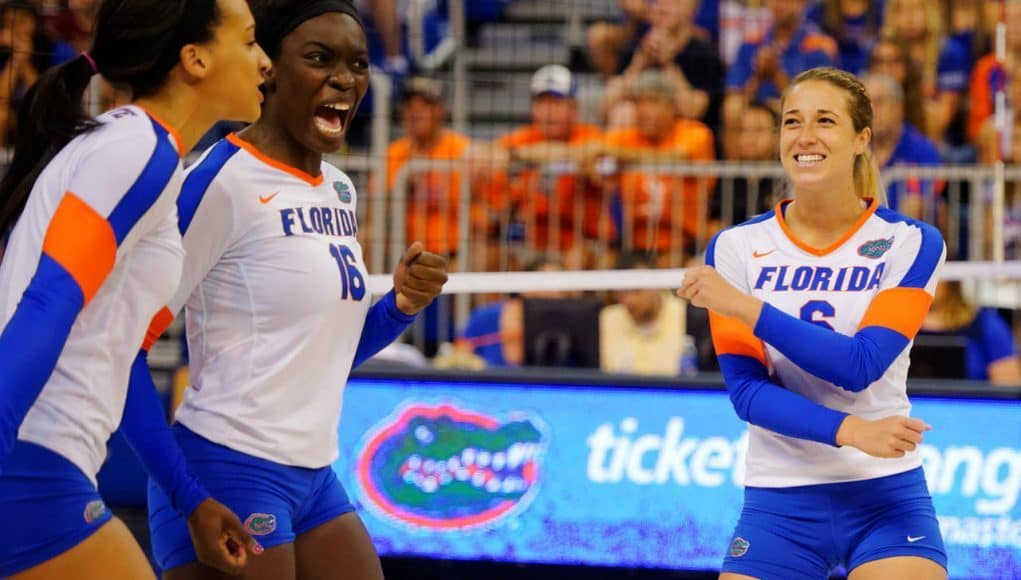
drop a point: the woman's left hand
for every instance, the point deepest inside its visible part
(704, 287)
(419, 279)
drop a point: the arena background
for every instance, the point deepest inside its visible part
(579, 501)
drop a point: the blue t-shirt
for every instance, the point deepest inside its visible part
(953, 70)
(989, 340)
(483, 332)
(914, 148)
(809, 48)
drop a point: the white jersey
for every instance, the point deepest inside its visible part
(275, 299)
(882, 273)
(104, 210)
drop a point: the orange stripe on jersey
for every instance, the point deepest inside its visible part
(170, 129)
(159, 323)
(82, 242)
(899, 309)
(309, 179)
(869, 210)
(731, 336)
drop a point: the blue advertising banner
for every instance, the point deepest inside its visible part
(644, 477)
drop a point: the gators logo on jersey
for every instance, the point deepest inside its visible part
(444, 468)
(260, 524)
(94, 510)
(343, 191)
(739, 547)
(875, 248)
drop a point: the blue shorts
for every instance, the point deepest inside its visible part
(803, 532)
(276, 502)
(50, 507)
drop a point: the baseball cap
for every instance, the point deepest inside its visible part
(429, 89)
(653, 83)
(554, 79)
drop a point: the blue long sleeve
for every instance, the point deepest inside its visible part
(863, 357)
(146, 429)
(32, 342)
(384, 323)
(759, 401)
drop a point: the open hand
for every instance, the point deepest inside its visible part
(419, 279)
(220, 538)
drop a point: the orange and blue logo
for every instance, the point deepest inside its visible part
(445, 468)
(94, 511)
(259, 524)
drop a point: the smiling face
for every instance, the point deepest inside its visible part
(318, 80)
(818, 141)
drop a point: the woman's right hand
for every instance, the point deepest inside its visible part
(220, 539)
(887, 437)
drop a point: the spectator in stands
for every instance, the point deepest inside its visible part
(944, 62)
(552, 205)
(895, 143)
(644, 331)
(991, 352)
(495, 332)
(671, 44)
(891, 57)
(988, 74)
(742, 198)
(764, 66)
(854, 24)
(432, 197)
(73, 24)
(992, 144)
(660, 212)
(607, 40)
(26, 51)
(385, 19)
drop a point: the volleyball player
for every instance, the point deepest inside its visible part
(277, 310)
(93, 252)
(813, 307)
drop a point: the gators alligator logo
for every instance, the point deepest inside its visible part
(875, 248)
(343, 191)
(94, 510)
(259, 524)
(443, 468)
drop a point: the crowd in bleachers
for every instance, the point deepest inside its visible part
(683, 83)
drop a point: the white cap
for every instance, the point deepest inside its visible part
(553, 79)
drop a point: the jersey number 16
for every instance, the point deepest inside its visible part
(351, 281)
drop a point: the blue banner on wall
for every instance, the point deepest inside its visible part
(630, 476)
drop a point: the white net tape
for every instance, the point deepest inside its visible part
(503, 282)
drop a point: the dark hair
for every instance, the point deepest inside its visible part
(136, 45)
(275, 19)
(914, 111)
(635, 260)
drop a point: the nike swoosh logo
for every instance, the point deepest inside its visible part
(268, 198)
(758, 254)
(914, 539)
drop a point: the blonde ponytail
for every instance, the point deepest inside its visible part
(867, 182)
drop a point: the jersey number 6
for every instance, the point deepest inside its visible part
(351, 280)
(815, 311)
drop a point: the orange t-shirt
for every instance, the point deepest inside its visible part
(432, 197)
(662, 210)
(981, 95)
(554, 206)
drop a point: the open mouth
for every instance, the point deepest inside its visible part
(809, 159)
(331, 119)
